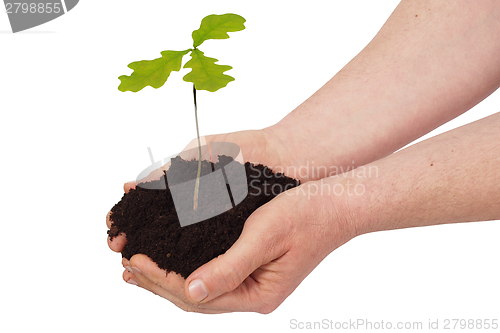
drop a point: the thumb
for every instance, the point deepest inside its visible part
(222, 274)
(254, 248)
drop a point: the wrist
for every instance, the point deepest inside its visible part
(332, 205)
(355, 200)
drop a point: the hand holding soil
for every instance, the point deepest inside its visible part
(247, 140)
(272, 256)
(424, 68)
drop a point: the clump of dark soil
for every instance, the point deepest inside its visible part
(148, 218)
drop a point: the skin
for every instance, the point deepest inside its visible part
(402, 85)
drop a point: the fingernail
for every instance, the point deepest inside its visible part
(132, 282)
(197, 290)
(137, 270)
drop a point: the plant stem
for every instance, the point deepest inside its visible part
(197, 185)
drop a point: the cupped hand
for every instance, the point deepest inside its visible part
(281, 243)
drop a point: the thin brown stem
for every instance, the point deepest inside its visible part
(197, 185)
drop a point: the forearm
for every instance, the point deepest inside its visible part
(430, 62)
(450, 178)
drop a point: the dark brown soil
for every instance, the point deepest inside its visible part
(149, 219)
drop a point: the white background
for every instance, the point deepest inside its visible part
(69, 139)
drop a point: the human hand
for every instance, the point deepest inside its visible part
(272, 256)
(256, 146)
(281, 243)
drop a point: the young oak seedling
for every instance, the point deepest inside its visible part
(205, 74)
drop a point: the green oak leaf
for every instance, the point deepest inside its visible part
(217, 27)
(152, 73)
(205, 74)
